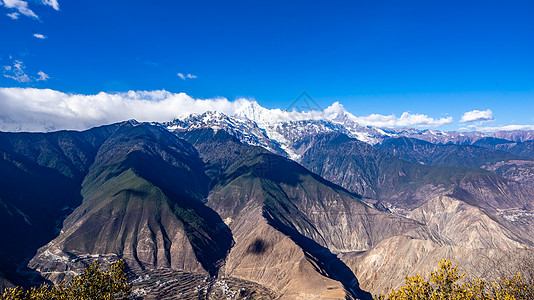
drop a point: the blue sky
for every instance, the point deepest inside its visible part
(438, 58)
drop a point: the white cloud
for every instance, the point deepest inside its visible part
(52, 3)
(505, 128)
(21, 7)
(29, 109)
(477, 116)
(470, 127)
(14, 15)
(337, 113)
(405, 120)
(16, 72)
(188, 76)
(42, 76)
(39, 36)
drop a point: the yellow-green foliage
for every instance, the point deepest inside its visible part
(92, 284)
(443, 285)
(512, 288)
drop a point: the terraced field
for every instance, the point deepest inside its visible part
(171, 284)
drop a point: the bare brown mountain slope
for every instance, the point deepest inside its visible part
(470, 213)
(464, 234)
(261, 196)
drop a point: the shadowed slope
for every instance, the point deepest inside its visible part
(501, 162)
(379, 175)
(525, 148)
(142, 200)
(418, 151)
(40, 176)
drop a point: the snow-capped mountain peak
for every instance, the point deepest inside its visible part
(247, 131)
(280, 131)
(276, 130)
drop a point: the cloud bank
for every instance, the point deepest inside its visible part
(477, 116)
(505, 128)
(405, 120)
(30, 109)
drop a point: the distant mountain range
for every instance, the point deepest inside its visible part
(277, 132)
(321, 208)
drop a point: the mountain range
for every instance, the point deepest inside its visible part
(321, 208)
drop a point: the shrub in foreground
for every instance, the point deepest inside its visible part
(443, 285)
(92, 284)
